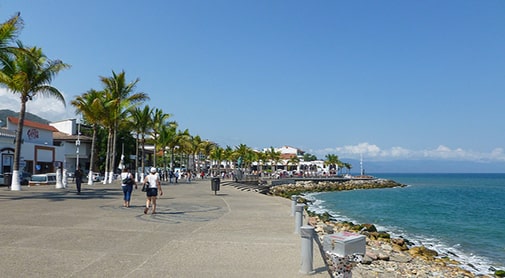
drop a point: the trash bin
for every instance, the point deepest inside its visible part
(214, 185)
(7, 179)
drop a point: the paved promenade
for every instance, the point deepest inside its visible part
(48, 232)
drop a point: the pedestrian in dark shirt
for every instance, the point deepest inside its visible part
(78, 179)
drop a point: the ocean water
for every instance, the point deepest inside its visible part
(459, 215)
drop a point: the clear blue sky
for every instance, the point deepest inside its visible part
(388, 79)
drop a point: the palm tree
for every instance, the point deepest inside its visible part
(261, 156)
(91, 106)
(348, 166)
(140, 118)
(158, 121)
(120, 96)
(196, 143)
(229, 156)
(206, 148)
(217, 156)
(166, 136)
(8, 33)
(274, 157)
(180, 144)
(332, 161)
(183, 140)
(29, 74)
(294, 160)
(241, 151)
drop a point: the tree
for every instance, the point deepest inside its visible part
(309, 157)
(207, 147)
(120, 96)
(91, 106)
(8, 34)
(274, 157)
(159, 120)
(217, 156)
(241, 155)
(140, 118)
(29, 74)
(294, 160)
(348, 166)
(166, 136)
(229, 156)
(333, 161)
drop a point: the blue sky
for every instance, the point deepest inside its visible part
(392, 80)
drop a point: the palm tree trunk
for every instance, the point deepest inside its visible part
(92, 157)
(113, 155)
(137, 157)
(143, 154)
(154, 154)
(15, 183)
(107, 156)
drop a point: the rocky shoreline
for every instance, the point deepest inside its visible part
(385, 256)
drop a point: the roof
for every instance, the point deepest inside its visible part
(61, 136)
(32, 124)
(287, 155)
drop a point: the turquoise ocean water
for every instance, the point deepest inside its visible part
(459, 215)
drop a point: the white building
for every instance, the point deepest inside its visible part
(44, 148)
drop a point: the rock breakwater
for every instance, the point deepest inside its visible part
(299, 187)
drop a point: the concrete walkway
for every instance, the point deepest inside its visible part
(48, 232)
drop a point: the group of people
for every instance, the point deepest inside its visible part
(152, 182)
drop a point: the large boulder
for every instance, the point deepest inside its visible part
(423, 252)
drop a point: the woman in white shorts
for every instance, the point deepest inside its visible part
(152, 190)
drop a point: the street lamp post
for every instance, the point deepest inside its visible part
(77, 144)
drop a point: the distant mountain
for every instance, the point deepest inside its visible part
(4, 113)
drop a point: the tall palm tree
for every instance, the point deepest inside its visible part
(121, 97)
(140, 118)
(91, 106)
(158, 121)
(183, 140)
(166, 136)
(29, 74)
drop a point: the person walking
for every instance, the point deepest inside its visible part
(154, 185)
(127, 183)
(78, 179)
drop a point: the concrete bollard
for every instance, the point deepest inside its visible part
(307, 234)
(298, 217)
(294, 200)
(64, 181)
(59, 183)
